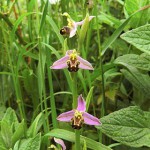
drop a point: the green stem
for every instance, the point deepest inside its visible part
(74, 90)
(74, 105)
(77, 139)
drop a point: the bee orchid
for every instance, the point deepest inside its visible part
(72, 61)
(79, 116)
(71, 28)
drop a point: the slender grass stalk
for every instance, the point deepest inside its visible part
(102, 75)
(52, 99)
(102, 70)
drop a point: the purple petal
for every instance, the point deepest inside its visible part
(66, 116)
(61, 142)
(91, 120)
(81, 22)
(61, 63)
(73, 31)
(81, 104)
(84, 64)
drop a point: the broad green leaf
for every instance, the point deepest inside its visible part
(141, 86)
(10, 117)
(6, 133)
(19, 133)
(129, 126)
(34, 143)
(139, 61)
(3, 146)
(70, 136)
(139, 38)
(108, 19)
(138, 80)
(141, 18)
(29, 144)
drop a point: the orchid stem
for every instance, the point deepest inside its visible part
(77, 139)
(74, 90)
(74, 105)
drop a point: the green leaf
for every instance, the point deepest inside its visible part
(29, 144)
(6, 133)
(139, 61)
(10, 117)
(35, 126)
(55, 28)
(139, 38)
(141, 86)
(3, 146)
(129, 126)
(19, 132)
(140, 18)
(117, 32)
(88, 98)
(34, 143)
(83, 31)
(138, 80)
(43, 16)
(70, 136)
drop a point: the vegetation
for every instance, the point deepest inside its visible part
(64, 64)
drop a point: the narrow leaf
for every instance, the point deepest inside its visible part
(70, 136)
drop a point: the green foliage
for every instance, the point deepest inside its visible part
(11, 130)
(141, 62)
(29, 144)
(129, 126)
(133, 6)
(30, 41)
(139, 38)
(70, 136)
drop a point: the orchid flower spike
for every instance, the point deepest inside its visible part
(71, 28)
(79, 116)
(72, 61)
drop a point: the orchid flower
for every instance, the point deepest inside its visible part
(71, 28)
(60, 142)
(79, 116)
(72, 61)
